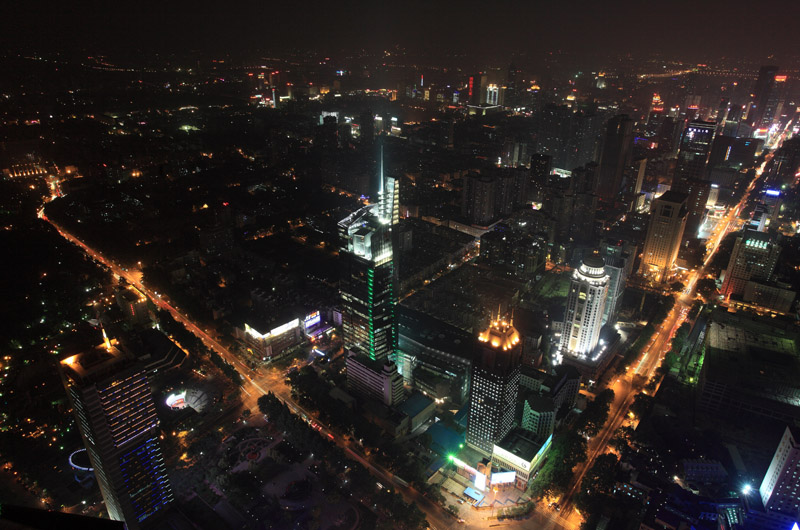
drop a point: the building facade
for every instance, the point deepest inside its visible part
(374, 379)
(695, 148)
(112, 402)
(368, 277)
(616, 157)
(780, 489)
(495, 386)
(754, 257)
(664, 234)
(585, 309)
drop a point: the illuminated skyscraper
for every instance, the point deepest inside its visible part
(114, 409)
(754, 257)
(495, 385)
(368, 278)
(586, 304)
(664, 234)
(695, 148)
(780, 489)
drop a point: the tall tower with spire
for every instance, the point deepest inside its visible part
(368, 280)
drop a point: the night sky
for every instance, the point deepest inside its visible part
(692, 29)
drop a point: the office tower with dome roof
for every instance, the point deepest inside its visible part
(586, 303)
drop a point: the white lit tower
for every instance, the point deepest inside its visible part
(368, 279)
(114, 409)
(586, 303)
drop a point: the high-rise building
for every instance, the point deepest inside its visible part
(586, 303)
(616, 157)
(619, 257)
(375, 379)
(478, 199)
(754, 257)
(112, 401)
(495, 385)
(476, 88)
(761, 112)
(368, 280)
(664, 234)
(697, 192)
(785, 164)
(780, 489)
(570, 138)
(693, 154)
(538, 415)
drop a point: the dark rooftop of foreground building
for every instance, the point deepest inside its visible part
(751, 366)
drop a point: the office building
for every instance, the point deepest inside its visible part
(111, 398)
(750, 368)
(477, 88)
(538, 415)
(561, 386)
(785, 165)
(664, 234)
(478, 199)
(616, 157)
(754, 257)
(376, 379)
(133, 305)
(619, 257)
(586, 303)
(693, 154)
(697, 192)
(762, 108)
(368, 279)
(433, 356)
(520, 453)
(495, 385)
(780, 489)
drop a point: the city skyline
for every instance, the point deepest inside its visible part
(423, 266)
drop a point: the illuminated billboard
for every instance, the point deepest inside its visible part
(312, 319)
(274, 332)
(480, 482)
(504, 477)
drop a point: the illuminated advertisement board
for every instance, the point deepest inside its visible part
(312, 319)
(480, 482)
(504, 477)
(274, 332)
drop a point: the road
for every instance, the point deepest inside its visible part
(652, 355)
(256, 382)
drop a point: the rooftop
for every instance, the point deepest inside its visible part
(500, 334)
(432, 332)
(415, 404)
(673, 196)
(94, 364)
(519, 443)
